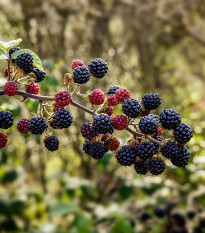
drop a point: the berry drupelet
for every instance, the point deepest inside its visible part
(182, 158)
(151, 101)
(3, 139)
(131, 107)
(141, 167)
(156, 166)
(40, 75)
(146, 150)
(37, 125)
(170, 119)
(51, 143)
(22, 126)
(25, 62)
(112, 89)
(98, 68)
(62, 119)
(183, 133)
(126, 156)
(97, 150)
(169, 150)
(96, 97)
(81, 75)
(88, 131)
(120, 122)
(148, 124)
(103, 124)
(6, 119)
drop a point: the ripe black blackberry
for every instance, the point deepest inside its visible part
(151, 101)
(88, 131)
(97, 150)
(112, 89)
(51, 143)
(40, 75)
(13, 50)
(169, 150)
(179, 219)
(183, 133)
(37, 125)
(126, 156)
(103, 124)
(182, 158)
(170, 119)
(145, 216)
(191, 214)
(62, 119)
(146, 150)
(159, 212)
(81, 75)
(148, 124)
(156, 166)
(141, 167)
(98, 67)
(87, 147)
(25, 62)
(6, 119)
(131, 107)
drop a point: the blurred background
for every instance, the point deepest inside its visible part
(149, 45)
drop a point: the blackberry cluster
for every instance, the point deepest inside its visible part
(62, 119)
(112, 89)
(131, 108)
(51, 143)
(6, 119)
(25, 62)
(40, 75)
(37, 125)
(148, 124)
(170, 119)
(146, 150)
(81, 75)
(141, 167)
(183, 133)
(11, 51)
(88, 131)
(151, 101)
(103, 124)
(126, 156)
(98, 67)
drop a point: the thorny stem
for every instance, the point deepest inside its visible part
(93, 113)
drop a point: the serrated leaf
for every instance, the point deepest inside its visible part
(36, 59)
(62, 208)
(13, 43)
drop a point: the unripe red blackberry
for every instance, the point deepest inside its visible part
(146, 150)
(33, 88)
(170, 119)
(151, 101)
(122, 94)
(112, 144)
(183, 133)
(97, 150)
(6, 119)
(96, 97)
(3, 139)
(76, 63)
(156, 166)
(131, 107)
(6, 73)
(103, 124)
(112, 100)
(25, 62)
(37, 125)
(88, 131)
(148, 124)
(144, 112)
(98, 67)
(62, 119)
(40, 75)
(62, 99)
(141, 167)
(10, 88)
(120, 122)
(159, 131)
(104, 137)
(22, 126)
(126, 156)
(81, 75)
(51, 143)
(110, 111)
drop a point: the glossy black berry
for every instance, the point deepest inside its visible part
(6, 119)
(97, 150)
(98, 67)
(112, 89)
(40, 75)
(170, 149)
(156, 166)
(170, 119)
(148, 124)
(37, 125)
(141, 167)
(146, 150)
(52, 143)
(87, 147)
(13, 50)
(81, 75)
(103, 124)
(183, 133)
(151, 101)
(62, 119)
(126, 156)
(159, 212)
(25, 62)
(131, 107)
(182, 158)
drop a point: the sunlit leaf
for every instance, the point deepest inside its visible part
(62, 208)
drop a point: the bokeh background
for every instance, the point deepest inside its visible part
(149, 45)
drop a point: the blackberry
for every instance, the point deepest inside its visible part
(103, 124)
(112, 100)
(40, 75)
(88, 131)
(141, 167)
(97, 150)
(122, 94)
(62, 99)
(159, 212)
(169, 150)
(151, 101)
(37, 125)
(146, 150)
(62, 119)
(13, 50)
(52, 143)
(10, 88)
(126, 156)
(3, 140)
(120, 122)
(179, 219)
(131, 108)
(87, 147)
(96, 97)
(156, 166)
(183, 133)
(112, 144)
(76, 63)
(191, 214)
(25, 62)
(170, 119)
(33, 88)
(145, 216)
(81, 75)
(6, 119)
(22, 126)
(182, 158)
(112, 89)
(98, 67)
(148, 124)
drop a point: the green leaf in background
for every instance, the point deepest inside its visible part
(62, 208)
(36, 59)
(122, 226)
(9, 177)
(11, 44)
(82, 224)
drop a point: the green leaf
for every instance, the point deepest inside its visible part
(3, 45)
(62, 208)
(2, 51)
(36, 59)
(122, 226)
(3, 56)
(13, 43)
